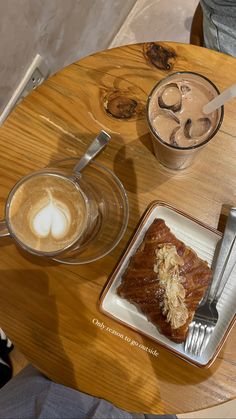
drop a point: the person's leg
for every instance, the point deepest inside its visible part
(219, 27)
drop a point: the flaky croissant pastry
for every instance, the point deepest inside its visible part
(166, 280)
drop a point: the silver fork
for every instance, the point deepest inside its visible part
(206, 315)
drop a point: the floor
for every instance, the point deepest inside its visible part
(156, 20)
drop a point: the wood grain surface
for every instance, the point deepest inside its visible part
(50, 310)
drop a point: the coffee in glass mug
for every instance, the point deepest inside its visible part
(47, 212)
(68, 216)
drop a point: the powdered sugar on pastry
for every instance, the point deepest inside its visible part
(167, 269)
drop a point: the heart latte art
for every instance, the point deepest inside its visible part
(52, 219)
(48, 213)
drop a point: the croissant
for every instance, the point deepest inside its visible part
(166, 280)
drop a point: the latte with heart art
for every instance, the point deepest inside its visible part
(48, 213)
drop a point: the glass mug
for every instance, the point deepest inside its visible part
(70, 217)
(178, 126)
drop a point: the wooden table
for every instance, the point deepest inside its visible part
(49, 310)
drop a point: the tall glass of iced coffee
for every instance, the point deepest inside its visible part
(178, 125)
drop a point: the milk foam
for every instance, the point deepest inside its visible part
(48, 213)
(51, 219)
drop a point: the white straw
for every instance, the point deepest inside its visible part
(218, 101)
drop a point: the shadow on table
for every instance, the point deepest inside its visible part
(180, 384)
(53, 326)
(6, 241)
(127, 160)
(148, 173)
(41, 261)
(124, 169)
(119, 162)
(145, 140)
(33, 310)
(77, 302)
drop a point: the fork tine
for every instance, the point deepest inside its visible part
(201, 338)
(189, 337)
(206, 315)
(194, 338)
(198, 338)
(209, 330)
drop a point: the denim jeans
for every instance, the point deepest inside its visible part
(219, 25)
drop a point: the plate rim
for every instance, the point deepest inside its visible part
(112, 277)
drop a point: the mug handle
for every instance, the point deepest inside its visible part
(3, 229)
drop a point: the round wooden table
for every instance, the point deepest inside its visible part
(50, 310)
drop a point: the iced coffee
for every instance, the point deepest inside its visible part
(175, 115)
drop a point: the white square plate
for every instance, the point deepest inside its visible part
(203, 240)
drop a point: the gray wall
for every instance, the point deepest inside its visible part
(61, 31)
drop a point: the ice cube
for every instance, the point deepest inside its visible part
(196, 128)
(170, 97)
